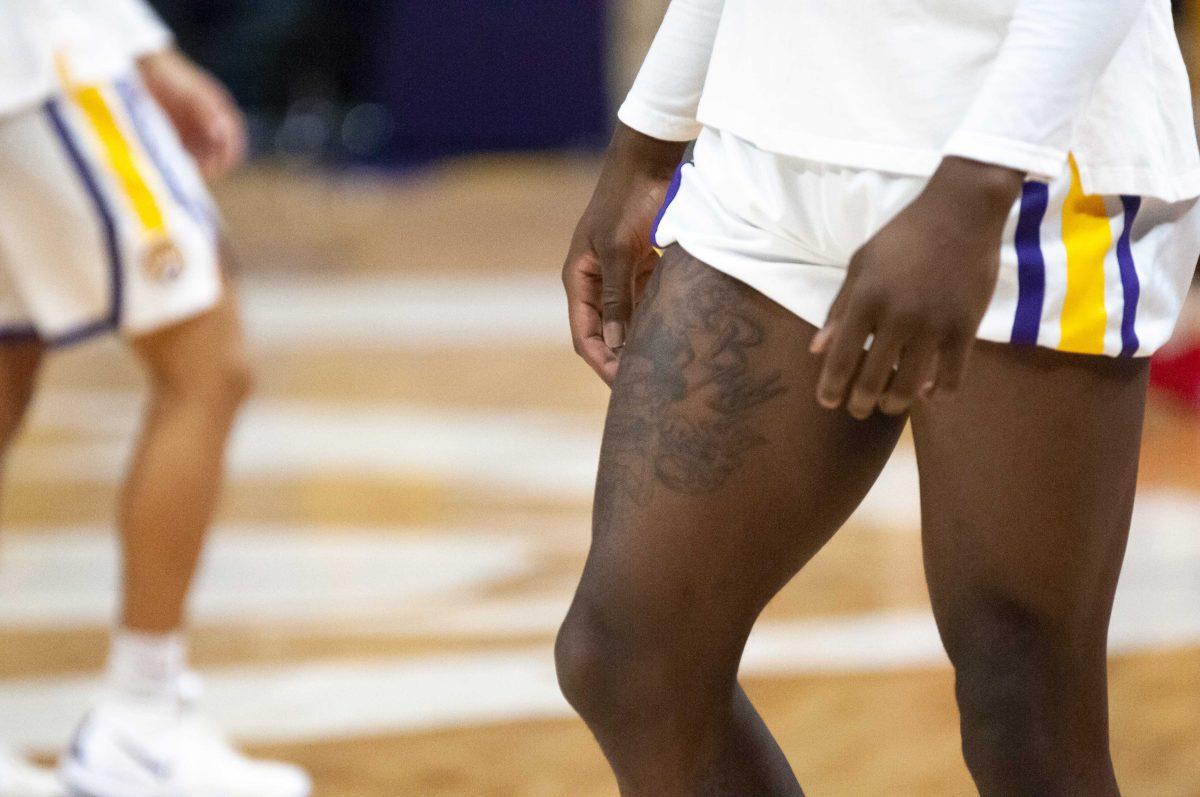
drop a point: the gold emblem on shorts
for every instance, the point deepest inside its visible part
(162, 261)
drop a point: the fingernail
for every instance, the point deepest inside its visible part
(818, 341)
(614, 334)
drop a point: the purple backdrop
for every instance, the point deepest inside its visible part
(467, 75)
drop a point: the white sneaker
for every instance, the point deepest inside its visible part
(122, 751)
(19, 778)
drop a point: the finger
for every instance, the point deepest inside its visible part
(238, 134)
(590, 345)
(223, 146)
(234, 135)
(952, 364)
(876, 372)
(820, 341)
(220, 145)
(209, 162)
(912, 377)
(582, 284)
(222, 136)
(845, 351)
(203, 148)
(600, 358)
(617, 267)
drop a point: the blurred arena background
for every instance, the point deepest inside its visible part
(408, 507)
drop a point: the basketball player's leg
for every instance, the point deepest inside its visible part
(720, 476)
(20, 362)
(1027, 485)
(198, 379)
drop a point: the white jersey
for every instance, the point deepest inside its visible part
(896, 85)
(98, 38)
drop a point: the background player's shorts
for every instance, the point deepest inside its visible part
(1078, 273)
(105, 223)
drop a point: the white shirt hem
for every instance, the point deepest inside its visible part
(656, 123)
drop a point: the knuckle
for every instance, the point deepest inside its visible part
(957, 325)
(868, 297)
(614, 301)
(615, 247)
(831, 388)
(893, 404)
(907, 315)
(872, 383)
(949, 379)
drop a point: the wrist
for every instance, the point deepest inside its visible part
(977, 186)
(638, 152)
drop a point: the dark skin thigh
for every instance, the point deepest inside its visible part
(721, 477)
(712, 494)
(1028, 477)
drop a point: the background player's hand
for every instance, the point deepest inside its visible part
(205, 116)
(611, 254)
(920, 286)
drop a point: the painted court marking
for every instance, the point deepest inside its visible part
(323, 700)
(434, 581)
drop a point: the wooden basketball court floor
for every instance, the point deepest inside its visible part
(408, 511)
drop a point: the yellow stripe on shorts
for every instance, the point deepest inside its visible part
(118, 154)
(1088, 238)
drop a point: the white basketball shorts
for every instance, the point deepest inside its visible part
(1104, 275)
(105, 222)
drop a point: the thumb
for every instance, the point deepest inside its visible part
(616, 293)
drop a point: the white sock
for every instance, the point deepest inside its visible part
(146, 668)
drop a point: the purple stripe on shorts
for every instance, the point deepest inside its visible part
(1129, 278)
(672, 191)
(18, 333)
(107, 220)
(132, 99)
(1031, 264)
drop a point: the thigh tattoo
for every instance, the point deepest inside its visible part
(681, 415)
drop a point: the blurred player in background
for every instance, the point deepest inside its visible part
(1175, 369)
(892, 187)
(106, 227)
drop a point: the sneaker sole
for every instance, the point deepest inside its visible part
(82, 783)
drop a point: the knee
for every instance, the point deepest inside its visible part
(221, 382)
(606, 662)
(235, 379)
(1004, 673)
(586, 668)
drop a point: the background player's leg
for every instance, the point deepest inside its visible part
(20, 362)
(1027, 484)
(199, 379)
(720, 477)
